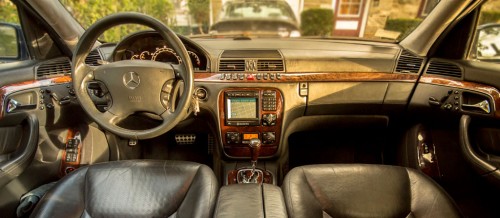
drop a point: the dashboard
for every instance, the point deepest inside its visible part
(149, 45)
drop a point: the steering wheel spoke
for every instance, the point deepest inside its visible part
(134, 86)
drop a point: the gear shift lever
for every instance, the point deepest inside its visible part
(254, 150)
(254, 145)
(252, 175)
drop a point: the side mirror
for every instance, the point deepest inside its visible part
(12, 46)
(487, 46)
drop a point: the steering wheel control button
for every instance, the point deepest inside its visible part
(131, 80)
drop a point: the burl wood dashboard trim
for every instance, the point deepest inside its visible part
(313, 77)
(485, 89)
(267, 150)
(9, 89)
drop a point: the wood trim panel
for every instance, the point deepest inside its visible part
(7, 90)
(486, 89)
(67, 167)
(239, 150)
(312, 77)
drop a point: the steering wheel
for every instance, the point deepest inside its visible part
(134, 85)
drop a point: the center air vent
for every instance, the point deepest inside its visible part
(231, 65)
(270, 65)
(408, 63)
(51, 68)
(444, 69)
(93, 58)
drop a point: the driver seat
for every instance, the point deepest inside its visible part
(138, 188)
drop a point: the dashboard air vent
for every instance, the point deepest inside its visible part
(93, 58)
(231, 65)
(444, 69)
(270, 65)
(55, 67)
(408, 63)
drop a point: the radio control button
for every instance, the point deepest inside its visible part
(235, 76)
(271, 76)
(266, 76)
(222, 76)
(269, 119)
(268, 137)
(259, 76)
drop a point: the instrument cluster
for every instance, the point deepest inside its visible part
(151, 46)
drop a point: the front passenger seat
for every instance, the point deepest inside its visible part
(135, 188)
(357, 190)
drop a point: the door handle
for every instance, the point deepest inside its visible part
(483, 105)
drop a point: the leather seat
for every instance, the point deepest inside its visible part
(356, 190)
(139, 188)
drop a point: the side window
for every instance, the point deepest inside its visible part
(12, 43)
(486, 45)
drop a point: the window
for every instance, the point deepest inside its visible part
(10, 33)
(427, 6)
(350, 8)
(486, 45)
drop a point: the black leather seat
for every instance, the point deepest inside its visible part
(356, 190)
(144, 188)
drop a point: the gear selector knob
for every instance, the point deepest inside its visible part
(255, 145)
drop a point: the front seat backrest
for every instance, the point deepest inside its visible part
(138, 188)
(357, 190)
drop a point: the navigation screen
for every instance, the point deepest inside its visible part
(242, 108)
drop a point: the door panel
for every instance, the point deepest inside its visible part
(19, 143)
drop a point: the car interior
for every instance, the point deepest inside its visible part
(247, 126)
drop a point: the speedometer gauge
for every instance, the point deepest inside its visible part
(166, 54)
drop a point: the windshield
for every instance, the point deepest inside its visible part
(365, 19)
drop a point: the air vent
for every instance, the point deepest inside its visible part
(231, 65)
(93, 58)
(51, 68)
(444, 69)
(408, 63)
(270, 65)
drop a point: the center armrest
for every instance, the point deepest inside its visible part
(258, 200)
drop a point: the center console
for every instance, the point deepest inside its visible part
(249, 113)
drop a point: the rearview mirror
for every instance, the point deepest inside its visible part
(12, 47)
(487, 47)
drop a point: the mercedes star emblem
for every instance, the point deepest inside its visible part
(131, 80)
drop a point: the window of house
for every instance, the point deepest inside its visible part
(350, 8)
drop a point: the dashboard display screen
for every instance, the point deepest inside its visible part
(242, 108)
